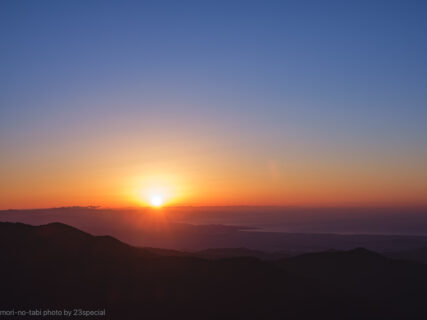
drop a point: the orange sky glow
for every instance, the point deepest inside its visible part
(110, 180)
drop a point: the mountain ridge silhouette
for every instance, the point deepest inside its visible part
(57, 266)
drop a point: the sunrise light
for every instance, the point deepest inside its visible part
(156, 201)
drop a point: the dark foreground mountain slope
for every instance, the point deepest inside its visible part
(56, 266)
(419, 254)
(222, 253)
(395, 286)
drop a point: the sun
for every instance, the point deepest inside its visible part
(155, 195)
(156, 201)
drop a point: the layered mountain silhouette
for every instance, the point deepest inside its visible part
(197, 228)
(57, 266)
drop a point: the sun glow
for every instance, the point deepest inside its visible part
(156, 201)
(157, 190)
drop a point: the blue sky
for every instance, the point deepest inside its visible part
(317, 79)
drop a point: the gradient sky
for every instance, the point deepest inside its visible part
(213, 102)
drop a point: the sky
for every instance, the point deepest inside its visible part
(305, 103)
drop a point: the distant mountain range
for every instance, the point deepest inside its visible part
(183, 229)
(56, 266)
